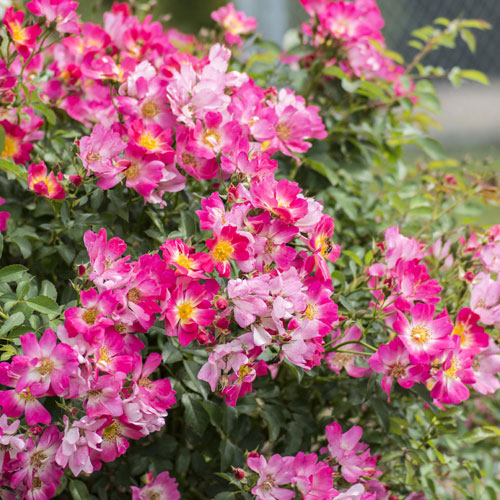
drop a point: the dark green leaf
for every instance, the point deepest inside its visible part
(44, 305)
(11, 322)
(11, 273)
(78, 490)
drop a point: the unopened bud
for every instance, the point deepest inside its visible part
(450, 179)
(221, 303)
(36, 430)
(75, 179)
(222, 323)
(469, 276)
(238, 473)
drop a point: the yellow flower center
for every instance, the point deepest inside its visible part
(283, 131)
(223, 251)
(420, 333)
(145, 382)
(311, 311)
(149, 109)
(233, 25)
(184, 261)
(398, 371)
(90, 316)
(11, 146)
(185, 311)
(244, 371)
(188, 159)
(104, 355)
(148, 141)
(27, 396)
(120, 328)
(452, 370)
(134, 295)
(18, 33)
(92, 157)
(38, 458)
(211, 138)
(132, 172)
(46, 367)
(462, 330)
(111, 432)
(343, 358)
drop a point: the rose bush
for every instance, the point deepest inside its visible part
(221, 277)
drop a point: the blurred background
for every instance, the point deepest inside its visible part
(470, 117)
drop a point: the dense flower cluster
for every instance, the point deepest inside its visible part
(445, 353)
(355, 30)
(282, 302)
(191, 114)
(255, 291)
(346, 460)
(94, 368)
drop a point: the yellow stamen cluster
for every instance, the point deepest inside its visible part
(185, 311)
(148, 141)
(46, 366)
(90, 316)
(11, 147)
(420, 333)
(149, 109)
(211, 138)
(223, 251)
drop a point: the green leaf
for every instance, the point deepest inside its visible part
(479, 434)
(334, 71)
(477, 76)
(469, 39)
(430, 146)
(44, 305)
(194, 414)
(8, 166)
(24, 246)
(346, 303)
(1, 244)
(196, 382)
(273, 418)
(67, 253)
(11, 322)
(388, 457)
(349, 86)
(429, 101)
(230, 454)
(353, 256)
(47, 112)
(455, 76)
(225, 495)
(78, 490)
(11, 273)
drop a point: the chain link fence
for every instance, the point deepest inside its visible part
(403, 16)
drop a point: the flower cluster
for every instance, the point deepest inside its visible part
(346, 459)
(234, 23)
(355, 30)
(281, 301)
(160, 114)
(94, 370)
(190, 114)
(162, 487)
(445, 353)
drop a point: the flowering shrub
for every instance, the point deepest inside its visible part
(197, 325)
